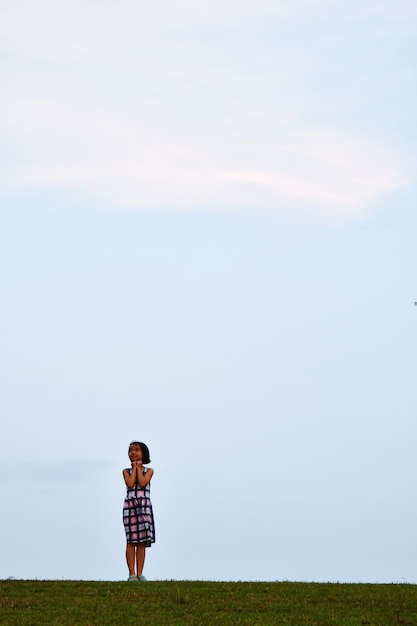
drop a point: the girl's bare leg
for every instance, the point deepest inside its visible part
(140, 559)
(130, 558)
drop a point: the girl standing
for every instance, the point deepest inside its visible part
(137, 509)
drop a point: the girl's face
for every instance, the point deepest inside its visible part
(135, 452)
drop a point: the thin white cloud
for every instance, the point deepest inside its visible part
(332, 172)
(135, 166)
(38, 473)
(119, 103)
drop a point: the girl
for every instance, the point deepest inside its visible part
(137, 509)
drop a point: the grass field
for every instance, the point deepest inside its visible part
(192, 602)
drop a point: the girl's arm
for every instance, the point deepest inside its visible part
(144, 479)
(130, 479)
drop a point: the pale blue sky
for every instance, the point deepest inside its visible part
(207, 240)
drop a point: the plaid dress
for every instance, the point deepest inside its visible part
(138, 515)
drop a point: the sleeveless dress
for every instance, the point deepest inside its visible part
(138, 515)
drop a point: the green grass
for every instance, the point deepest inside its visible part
(191, 602)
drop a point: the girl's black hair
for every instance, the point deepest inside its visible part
(145, 451)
